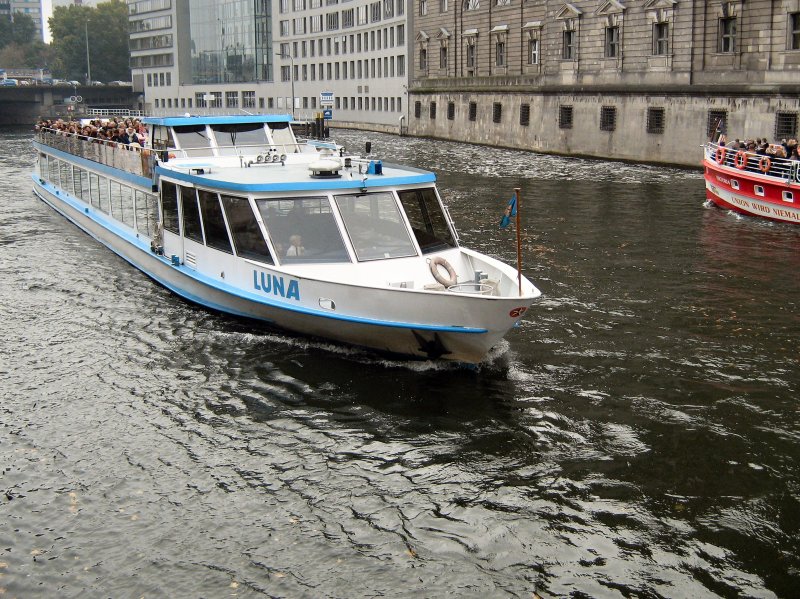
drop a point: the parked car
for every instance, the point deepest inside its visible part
(73, 82)
(9, 82)
(128, 83)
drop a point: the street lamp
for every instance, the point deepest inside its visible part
(88, 65)
(291, 77)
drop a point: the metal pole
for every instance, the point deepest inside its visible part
(88, 64)
(291, 77)
(519, 239)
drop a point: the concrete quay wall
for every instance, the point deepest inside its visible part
(687, 119)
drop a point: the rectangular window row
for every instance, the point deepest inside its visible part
(134, 208)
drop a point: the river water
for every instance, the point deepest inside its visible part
(637, 436)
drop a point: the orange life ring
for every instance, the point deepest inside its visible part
(740, 160)
(719, 156)
(438, 261)
(764, 164)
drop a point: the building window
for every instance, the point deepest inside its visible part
(608, 118)
(794, 31)
(200, 99)
(423, 7)
(423, 60)
(785, 125)
(533, 51)
(231, 99)
(442, 5)
(524, 114)
(727, 35)
(655, 120)
(451, 111)
(500, 54)
(661, 39)
(472, 4)
(565, 117)
(612, 42)
(432, 111)
(417, 108)
(471, 56)
(717, 123)
(473, 111)
(568, 45)
(443, 58)
(497, 112)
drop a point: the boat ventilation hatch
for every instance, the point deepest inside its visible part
(325, 168)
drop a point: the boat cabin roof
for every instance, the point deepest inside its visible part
(177, 121)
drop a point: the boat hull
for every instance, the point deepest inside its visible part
(752, 192)
(394, 333)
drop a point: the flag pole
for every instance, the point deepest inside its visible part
(519, 239)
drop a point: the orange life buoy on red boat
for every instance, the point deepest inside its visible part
(719, 156)
(740, 160)
(764, 164)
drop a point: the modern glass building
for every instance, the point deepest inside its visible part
(264, 56)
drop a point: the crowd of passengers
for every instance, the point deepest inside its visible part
(784, 149)
(128, 132)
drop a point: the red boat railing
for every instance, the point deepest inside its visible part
(772, 167)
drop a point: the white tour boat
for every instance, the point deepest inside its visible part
(238, 215)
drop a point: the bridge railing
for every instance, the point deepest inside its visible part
(132, 159)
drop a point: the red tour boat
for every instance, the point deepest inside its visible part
(749, 183)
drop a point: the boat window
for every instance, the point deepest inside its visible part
(94, 186)
(192, 139)
(428, 221)
(76, 179)
(247, 237)
(162, 138)
(85, 186)
(102, 186)
(127, 206)
(66, 177)
(145, 212)
(53, 162)
(240, 135)
(303, 230)
(43, 173)
(169, 207)
(375, 226)
(116, 201)
(282, 136)
(191, 215)
(213, 222)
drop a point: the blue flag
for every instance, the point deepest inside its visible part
(511, 210)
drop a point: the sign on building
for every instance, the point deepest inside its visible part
(326, 98)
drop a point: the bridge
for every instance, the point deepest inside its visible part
(26, 103)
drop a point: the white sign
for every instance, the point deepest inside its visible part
(326, 98)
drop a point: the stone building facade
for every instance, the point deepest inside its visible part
(640, 80)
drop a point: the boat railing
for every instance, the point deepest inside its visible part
(130, 158)
(767, 165)
(237, 150)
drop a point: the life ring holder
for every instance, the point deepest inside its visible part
(764, 164)
(435, 263)
(740, 160)
(719, 156)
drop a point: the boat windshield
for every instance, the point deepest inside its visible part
(428, 221)
(240, 135)
(375, 225)
(193, 139)
(303, 230)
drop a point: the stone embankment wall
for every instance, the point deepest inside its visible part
(686, 120)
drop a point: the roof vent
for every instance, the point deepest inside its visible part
(325, 168)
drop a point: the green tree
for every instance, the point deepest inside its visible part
(19, 29)
(105, 27)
